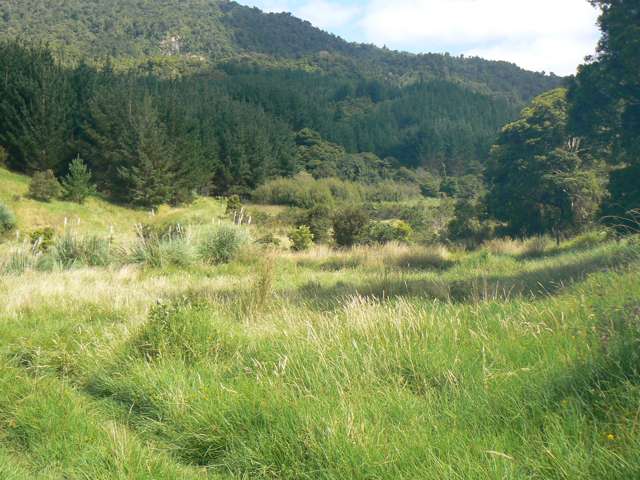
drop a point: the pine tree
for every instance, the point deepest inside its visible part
(77, 184)
(150, 178)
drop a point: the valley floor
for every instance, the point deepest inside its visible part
(390, 362)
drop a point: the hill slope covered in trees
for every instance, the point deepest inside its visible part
(226, 89)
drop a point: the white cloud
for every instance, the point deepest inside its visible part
(329, 15)
(537, 34)
(551, 35)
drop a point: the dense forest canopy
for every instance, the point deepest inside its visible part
(212, 96)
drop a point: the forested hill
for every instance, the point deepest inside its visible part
(216, 30)
(242, 95)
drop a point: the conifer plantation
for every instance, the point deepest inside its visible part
(236, 246)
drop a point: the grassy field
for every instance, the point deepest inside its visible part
(520, 360)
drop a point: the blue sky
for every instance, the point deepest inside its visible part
(549, 35)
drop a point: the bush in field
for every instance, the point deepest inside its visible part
(222, 243)
(469, 224)
(77, 184)
(3, 157)
(319, 220)
(7, 219)
(301, 238)
(234, 205)
(386, 232)
(44, 186)
(42, 239)
(350, 226)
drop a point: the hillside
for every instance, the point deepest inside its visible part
(216, 30)
(232, 87)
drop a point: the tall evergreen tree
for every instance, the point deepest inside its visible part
(151, 175)
(36, 100)
(539, 180)
(605, 100)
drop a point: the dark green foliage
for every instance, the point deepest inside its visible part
(605, 101)
(540, 180)
(77, 184)
(234, 205)
(319, 220)
(390, 231)
(36, 101)
(149, 173)
(187, 104)
(7, 219)
(301, 238)
(470, 224)
(350, 226)
(44, 186)
(3, 157)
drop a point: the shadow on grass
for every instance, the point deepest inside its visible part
(529, 284)
(607, 379)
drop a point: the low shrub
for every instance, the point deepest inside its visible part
(301, 191)
(390, 191)
(42, 239)
(392, 231)
(301, 238)
(222, 243)
(7, 219)
(350, 226)
(234, 205)
(319, 221)
(44, 186)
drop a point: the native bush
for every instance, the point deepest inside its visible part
(391, 231)
(42, 239)
(301, 238)
(350, 225)
(163, 246)
(319, 221)
(44, 186)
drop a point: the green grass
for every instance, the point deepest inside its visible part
(375, 363)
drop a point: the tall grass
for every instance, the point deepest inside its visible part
(221, 243)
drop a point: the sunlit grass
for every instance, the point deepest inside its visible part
(517, 360)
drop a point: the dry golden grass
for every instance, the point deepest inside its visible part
(375, 257)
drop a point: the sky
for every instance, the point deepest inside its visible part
(541, 35)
